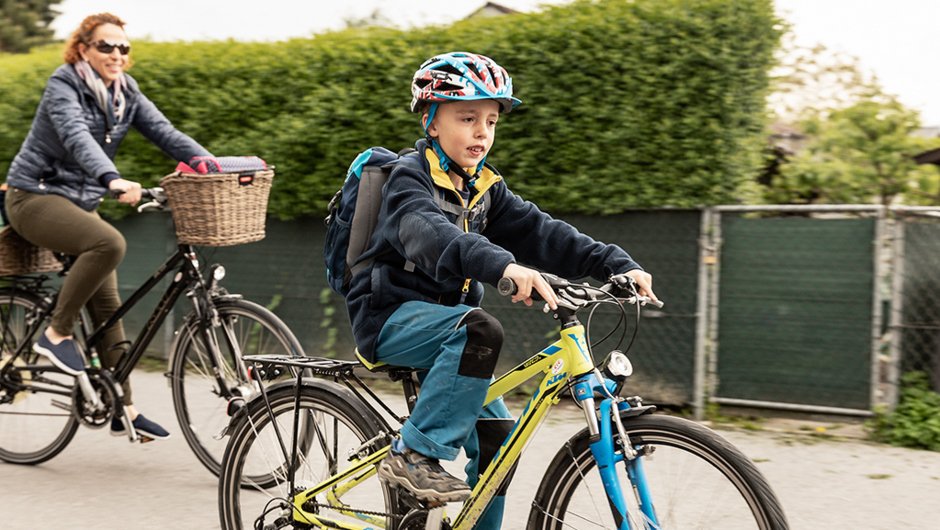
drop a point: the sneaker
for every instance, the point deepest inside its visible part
(423, 476)
(64, 355)
(142, 425)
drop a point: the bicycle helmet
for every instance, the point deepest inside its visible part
(461, 76)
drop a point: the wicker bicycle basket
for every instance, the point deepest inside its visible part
(18, 256)
(218, 210)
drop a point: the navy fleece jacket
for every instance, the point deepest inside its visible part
(412, 228)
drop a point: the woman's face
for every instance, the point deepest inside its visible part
(109, 65)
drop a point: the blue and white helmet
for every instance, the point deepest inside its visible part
(461, 76)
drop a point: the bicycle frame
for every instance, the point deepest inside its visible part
(567, 359)
(184, 262)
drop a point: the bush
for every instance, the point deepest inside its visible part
(916, 420)
(652, 102)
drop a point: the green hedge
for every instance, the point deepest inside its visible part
(625, 104)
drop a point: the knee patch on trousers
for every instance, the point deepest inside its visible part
(484, 341)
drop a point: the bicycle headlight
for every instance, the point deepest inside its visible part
(618, 364)
(218, 272)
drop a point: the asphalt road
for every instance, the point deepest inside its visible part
(101, 482)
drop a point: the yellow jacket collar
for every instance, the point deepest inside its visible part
(441, 178)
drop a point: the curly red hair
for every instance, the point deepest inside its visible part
(84, 33)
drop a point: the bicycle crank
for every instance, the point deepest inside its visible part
(105, 398)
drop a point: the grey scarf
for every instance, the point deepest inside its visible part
(113, 110)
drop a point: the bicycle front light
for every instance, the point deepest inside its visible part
(618, 365)
(218, 272)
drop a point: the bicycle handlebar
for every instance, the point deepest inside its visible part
(578, 296)
(156, 195)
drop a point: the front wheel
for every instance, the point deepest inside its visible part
(694, 478)
(200, 392)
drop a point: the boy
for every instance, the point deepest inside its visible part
(417, 303)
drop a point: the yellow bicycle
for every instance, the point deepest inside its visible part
(303, 453)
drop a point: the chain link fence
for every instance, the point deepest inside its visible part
(816, 309)
(915, 300)
(796, 307)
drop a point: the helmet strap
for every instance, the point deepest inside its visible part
(445, 162)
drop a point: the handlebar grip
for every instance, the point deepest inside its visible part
(657, 303)
(506, 287)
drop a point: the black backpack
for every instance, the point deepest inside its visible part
(354, 213)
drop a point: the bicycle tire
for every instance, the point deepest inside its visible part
(697, 479)
(33, 429)
(342, 423)
(246, 329)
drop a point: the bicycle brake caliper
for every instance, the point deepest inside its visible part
(628, 451)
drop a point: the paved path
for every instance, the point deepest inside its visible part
(101, 483)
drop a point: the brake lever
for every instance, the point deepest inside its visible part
(149, 205)
(643, 300)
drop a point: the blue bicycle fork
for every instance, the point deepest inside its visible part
(608, 457)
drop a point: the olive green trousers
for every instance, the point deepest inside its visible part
(56, 223)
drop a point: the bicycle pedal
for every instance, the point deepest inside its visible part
(145, 439)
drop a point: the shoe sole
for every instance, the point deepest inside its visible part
(55, 360)
(142, 434)
(431, 495)
(152, 436)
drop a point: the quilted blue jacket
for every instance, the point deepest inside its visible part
(413, 228)
(67, 149)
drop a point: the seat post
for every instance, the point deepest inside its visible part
(411, 393)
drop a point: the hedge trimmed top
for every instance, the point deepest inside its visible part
(628, 104)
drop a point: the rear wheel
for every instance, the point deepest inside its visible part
(339, 426)
(34, 426)
(695, 479)
(200, 400)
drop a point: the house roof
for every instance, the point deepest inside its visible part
(928, 157)
(491, 9)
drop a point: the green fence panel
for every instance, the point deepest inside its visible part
(795, 310)
(920, 316)
(285, 272)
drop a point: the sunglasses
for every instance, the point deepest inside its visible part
(106, 46)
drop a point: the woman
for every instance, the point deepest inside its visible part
(64, 168)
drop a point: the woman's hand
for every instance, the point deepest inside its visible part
(526, 279)
(130, 188)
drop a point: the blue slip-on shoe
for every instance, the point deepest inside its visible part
(142, 425)
(64, 355)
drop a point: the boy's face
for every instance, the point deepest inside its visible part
(465, 129)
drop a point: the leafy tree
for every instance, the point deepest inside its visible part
(859, 154)
(24, 24)
(813, 80)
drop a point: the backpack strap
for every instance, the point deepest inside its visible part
(371, 182)
(465, 214)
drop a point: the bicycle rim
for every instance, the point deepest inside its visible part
(246, 329)
(34, 426)
(254, 450)
(695, 477)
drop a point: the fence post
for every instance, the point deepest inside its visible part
(714, 281)
(897, 308)
(876, 313)
(706, 258)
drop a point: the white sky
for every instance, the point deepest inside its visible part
(897, 39)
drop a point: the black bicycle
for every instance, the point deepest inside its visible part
(41, 407)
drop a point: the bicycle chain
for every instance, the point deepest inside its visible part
(312, 504)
